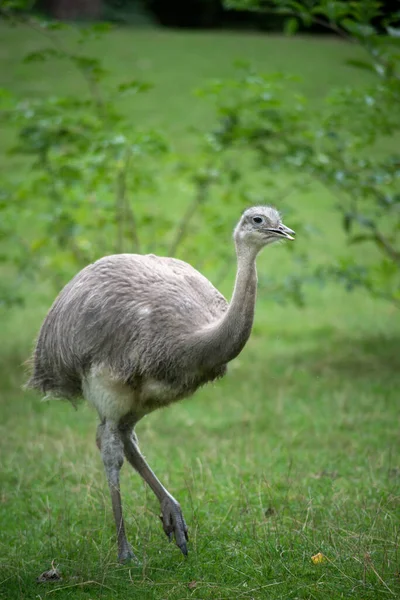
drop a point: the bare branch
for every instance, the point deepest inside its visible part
(182, 228)
(124, 211)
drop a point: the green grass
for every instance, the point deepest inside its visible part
(295, 452)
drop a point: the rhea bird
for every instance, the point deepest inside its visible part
(132, 333)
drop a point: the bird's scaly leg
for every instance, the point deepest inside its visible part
(171, 517)
(112, 452)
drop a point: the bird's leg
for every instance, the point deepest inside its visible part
(112, 452)
(172, 518)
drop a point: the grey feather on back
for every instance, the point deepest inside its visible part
(132, 314)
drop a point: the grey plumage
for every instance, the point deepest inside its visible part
(132, 313)
(132, 333)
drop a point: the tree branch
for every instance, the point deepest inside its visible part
(182, 228)
(123, 209)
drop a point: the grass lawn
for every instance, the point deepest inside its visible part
(295, 452)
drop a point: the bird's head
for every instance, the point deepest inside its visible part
(260, 226)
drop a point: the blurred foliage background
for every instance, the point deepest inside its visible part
(263, 127)
(148, 127)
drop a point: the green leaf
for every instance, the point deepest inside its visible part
(24, 5)
(358, 29)
(42, 55)
(333, 11)
(94, 31)
(101, 27)
(52, 25)
(135, 86)
(89, 65)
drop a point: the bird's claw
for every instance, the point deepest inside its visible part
(183, 548)
(174, 523)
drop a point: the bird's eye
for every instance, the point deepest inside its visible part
(257, 220)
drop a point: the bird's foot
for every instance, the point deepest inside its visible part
(174, 523)
(125, 553)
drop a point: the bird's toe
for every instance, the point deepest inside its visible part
(174, 524)
(183, 548)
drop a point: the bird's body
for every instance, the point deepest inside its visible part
(124, 320)
(132, 333)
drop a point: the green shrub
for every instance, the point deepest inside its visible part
(341, 145)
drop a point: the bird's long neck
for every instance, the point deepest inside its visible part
(222, 341)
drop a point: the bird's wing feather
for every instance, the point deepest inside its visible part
(130, 312)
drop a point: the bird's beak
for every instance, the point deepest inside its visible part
(284, 232)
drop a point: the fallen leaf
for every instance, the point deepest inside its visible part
(318, 558)
(52, 574)
(192, 585)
